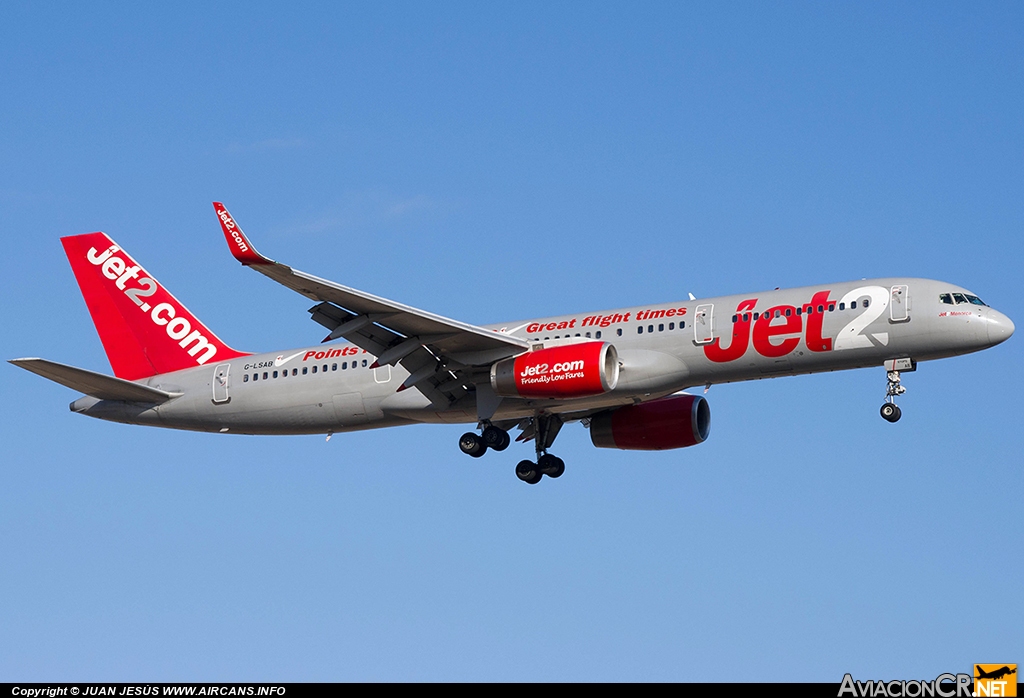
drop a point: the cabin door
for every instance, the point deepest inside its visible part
(899, 305)
(703, 329)
(220, 384)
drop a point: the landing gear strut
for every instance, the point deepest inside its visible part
(890, 411)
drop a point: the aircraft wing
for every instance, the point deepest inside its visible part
(438, 352)
(91, 383)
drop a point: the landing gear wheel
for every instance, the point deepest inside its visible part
(528, 472)
(550, 465)
(472, 445)
(495, 438)
(890, 412)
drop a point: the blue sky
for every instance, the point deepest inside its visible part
(489, 164)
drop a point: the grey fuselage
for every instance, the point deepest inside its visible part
(664, 348)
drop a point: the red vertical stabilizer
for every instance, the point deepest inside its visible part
(144, 329)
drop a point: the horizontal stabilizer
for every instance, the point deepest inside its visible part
(96, 384)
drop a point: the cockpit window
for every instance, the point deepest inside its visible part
(959, 298)
(946, 298)
(975, 300)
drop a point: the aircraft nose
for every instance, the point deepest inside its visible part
(1000, 327)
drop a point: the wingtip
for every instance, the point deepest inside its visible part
(238, 243)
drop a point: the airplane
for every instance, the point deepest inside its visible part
(996, 674)
(622, 373)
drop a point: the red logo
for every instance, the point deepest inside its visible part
(776, 331)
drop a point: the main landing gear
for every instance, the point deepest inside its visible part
(542, 428)
(890, 411)
(492, 437)
(545, 429)
(547, 464)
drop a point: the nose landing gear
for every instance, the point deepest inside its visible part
(890, 411)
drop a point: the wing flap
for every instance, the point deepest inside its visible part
(95, 384)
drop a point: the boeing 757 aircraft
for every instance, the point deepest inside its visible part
(619, 372)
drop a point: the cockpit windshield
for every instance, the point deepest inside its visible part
(956, 298)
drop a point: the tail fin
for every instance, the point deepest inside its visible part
(143, 328)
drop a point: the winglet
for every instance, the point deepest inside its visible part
(239, 245)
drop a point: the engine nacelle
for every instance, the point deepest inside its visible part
(669, 422)
(567, 371)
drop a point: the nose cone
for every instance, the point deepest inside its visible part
(1000, 327)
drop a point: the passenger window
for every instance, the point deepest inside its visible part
(671, 326)
(865, 303)
(618, 332)
(842, 306)
(746, 318)
(734, 319)
(275, 374)
(314, 369)
(789, 312)
(778, 313)
(255, 376)
(682, 325)
(364, 363)
(324, 369)
(831, 307)
(344, 366)
(799, 311)
(598, 335)
(661, 328)
(295, 371)
(821, 308)
(853, 305)
(639, 329)
(305, 370)
(650, 328)
(757, 315)
(264, 375)
(588, 335)
(334, 367)
(245, 378)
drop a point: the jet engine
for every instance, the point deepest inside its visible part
(669, 422)
(568, 371)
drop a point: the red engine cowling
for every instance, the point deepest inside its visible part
(669, 422)
(569, 371)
